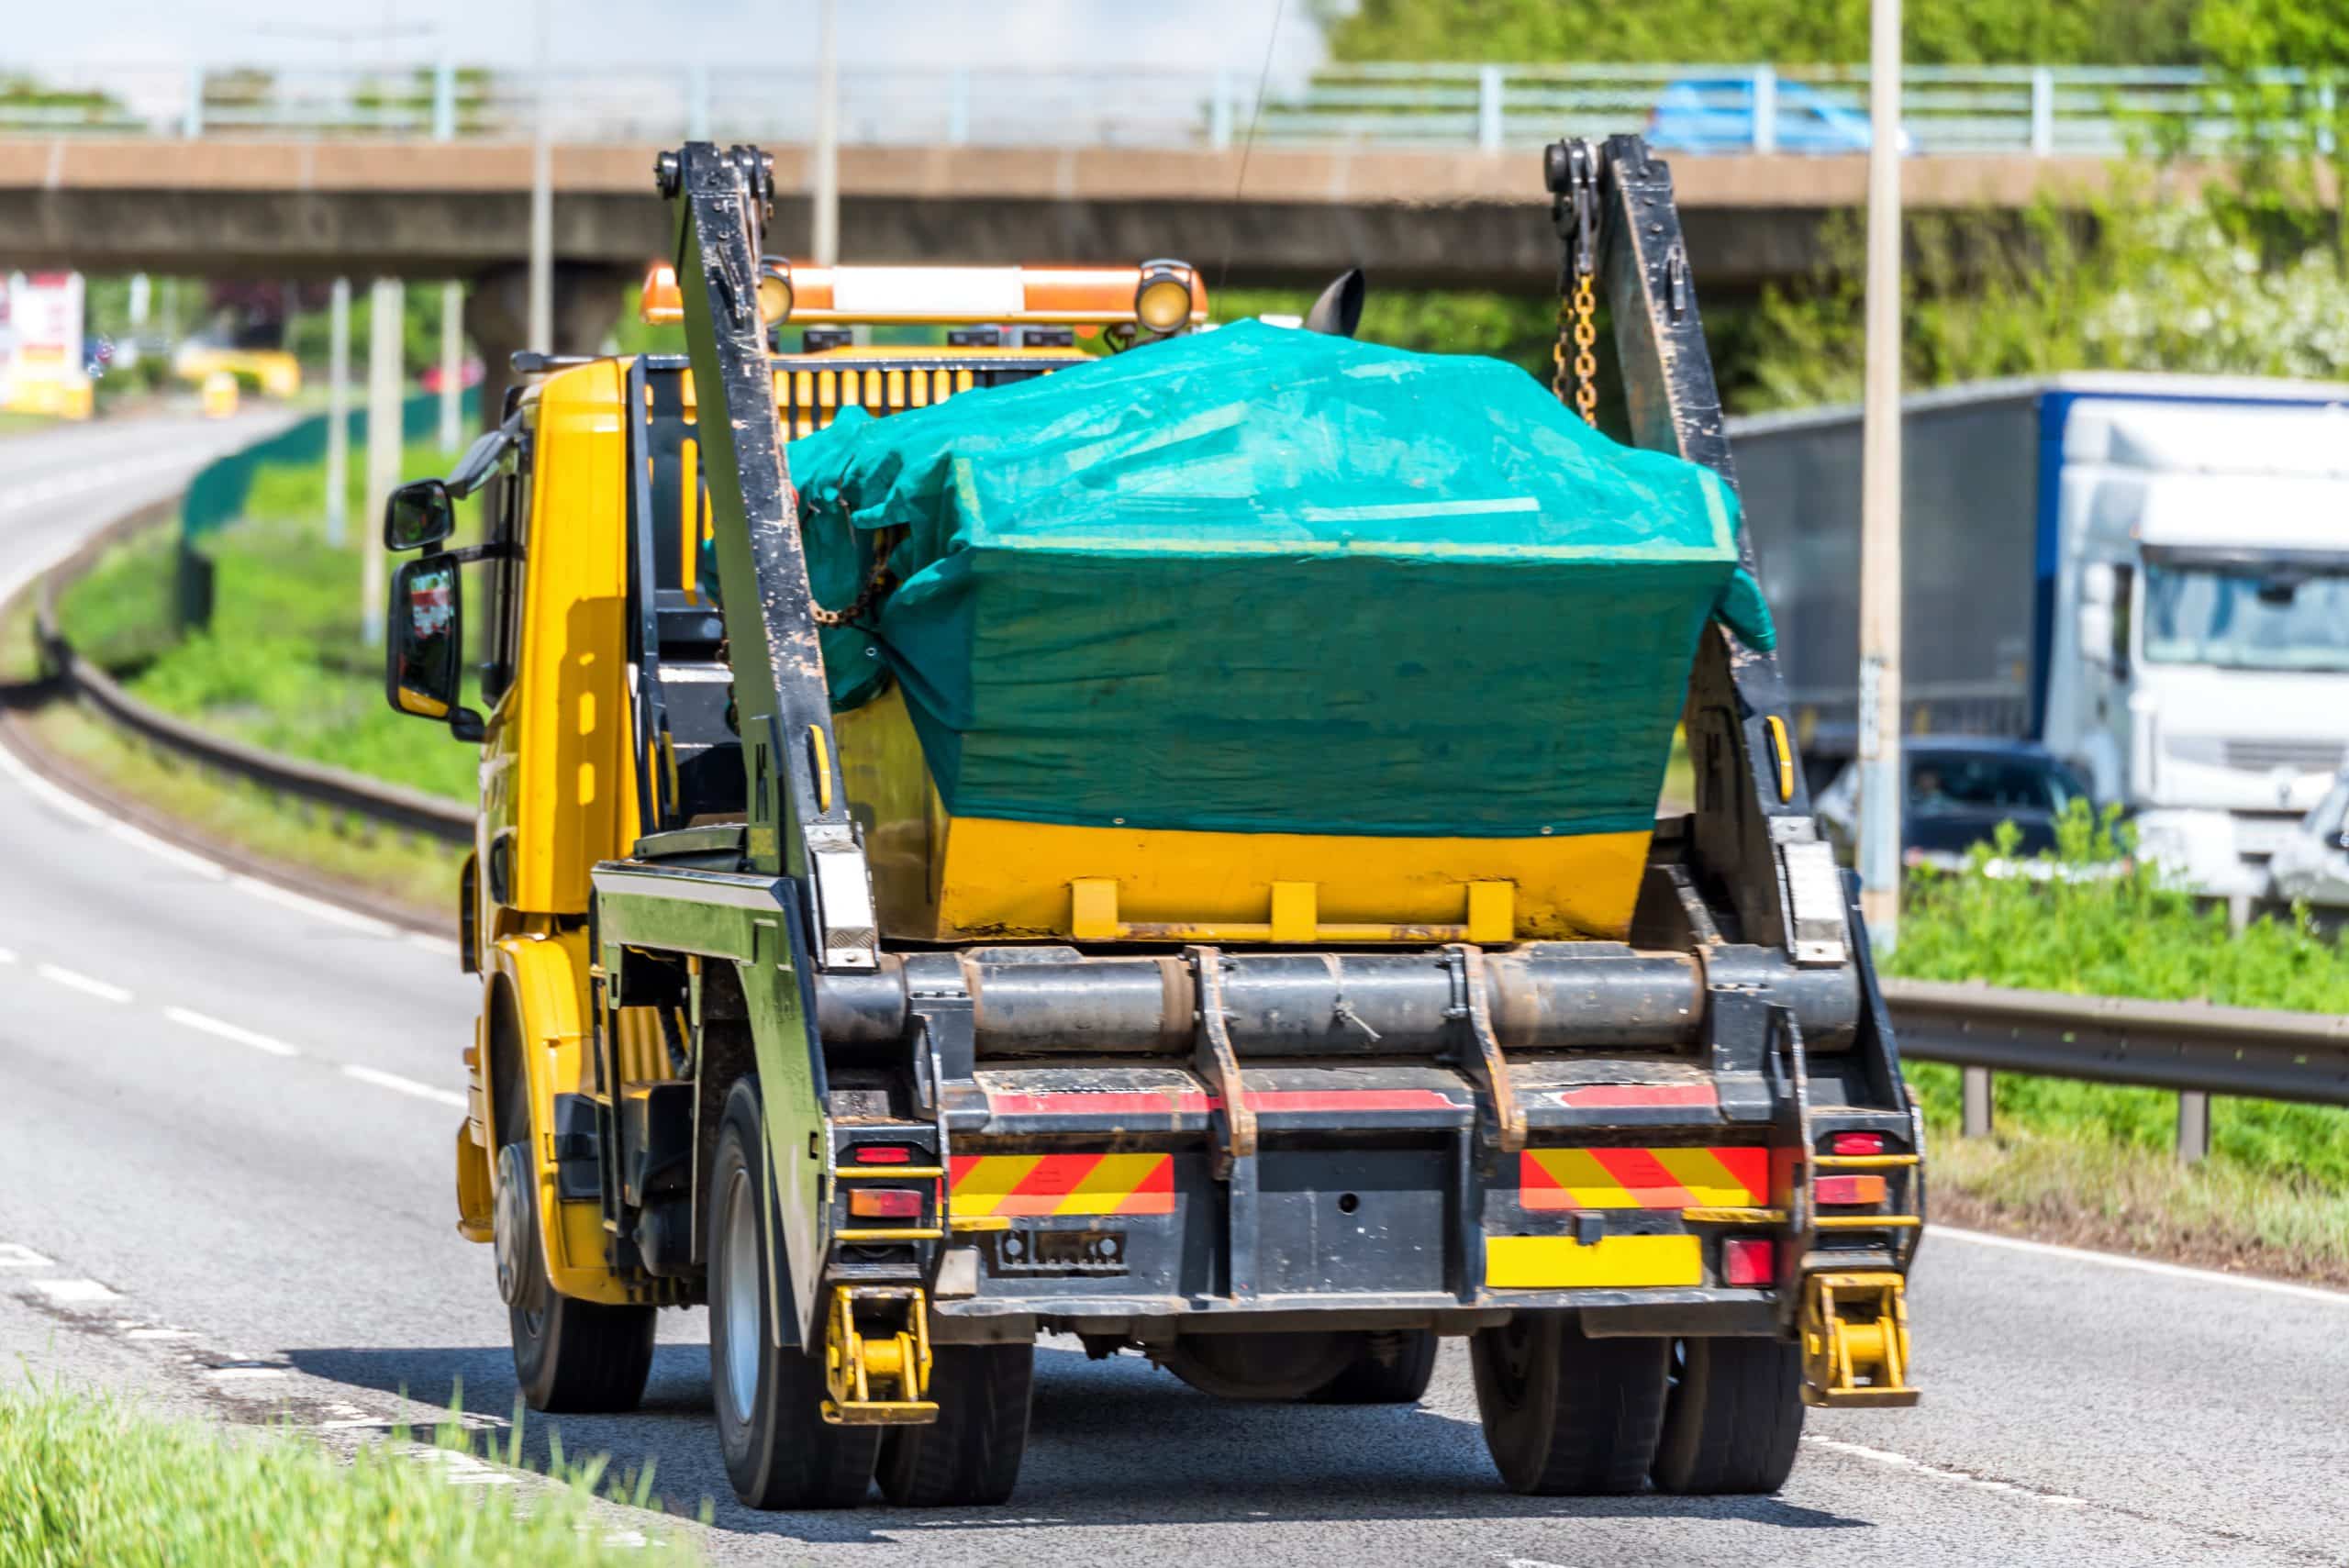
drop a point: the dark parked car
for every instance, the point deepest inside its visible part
(1959, 789)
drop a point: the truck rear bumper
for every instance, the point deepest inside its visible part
(1684, 1313)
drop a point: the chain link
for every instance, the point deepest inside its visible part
(879, 581)
(1576, 326)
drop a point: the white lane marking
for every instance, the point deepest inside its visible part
(399, 1085)
(1964, 1478)
(55, 796)
(317, 909)
(6, 957)
(162, 849)
(433, 944)
(2145, 1265)
(459, 1468)
(244, 1370)
(16, 1255)
(74, 980)
(159, 1334)
(66, 1291)
(205, 1025)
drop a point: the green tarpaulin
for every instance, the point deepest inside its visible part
(1263, 580)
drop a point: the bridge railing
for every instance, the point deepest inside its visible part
(2047, 111)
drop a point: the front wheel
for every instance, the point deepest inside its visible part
(1566, 1415)
(571, 1357)
(1393, 1366)
(780, 1451)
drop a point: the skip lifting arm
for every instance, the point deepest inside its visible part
(799, 823)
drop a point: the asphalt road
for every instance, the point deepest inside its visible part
(225, 1118)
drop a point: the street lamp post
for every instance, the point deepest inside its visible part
(1880, 706)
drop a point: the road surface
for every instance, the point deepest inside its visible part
(225, 1117)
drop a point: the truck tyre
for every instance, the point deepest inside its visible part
(571, 1357)
(1734, 1417)
(1393, 1367)
(780, 1451)
(970, 1455)
(1566, 1415)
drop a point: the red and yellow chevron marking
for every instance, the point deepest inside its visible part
(1643, 1178)
(1061, 1183)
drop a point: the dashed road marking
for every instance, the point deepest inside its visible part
(234, 1370)
(75, 980)
(1964, 1478)
(2144, 1266)
(399, 1085)
(459, 1468)
(6, 957)
(16, 1255)
(204, 1024)
(65, 1292)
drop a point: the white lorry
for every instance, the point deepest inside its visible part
(2148, 575)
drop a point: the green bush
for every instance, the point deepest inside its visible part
(2107, 925)
(101, 1484)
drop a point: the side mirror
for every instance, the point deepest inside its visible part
(2096, 632)
(418, 514)
(424, 633)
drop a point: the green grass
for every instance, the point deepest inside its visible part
(99, 1482)
(2279, 1176)
(283, 665)
(415, 874)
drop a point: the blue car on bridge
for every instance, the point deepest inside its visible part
(1715, 114)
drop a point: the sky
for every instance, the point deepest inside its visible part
(1038, 35)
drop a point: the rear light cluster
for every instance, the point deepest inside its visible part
(1833, 1190)
(883, 1154)
(885, 1202)
(1857, 1143)
(1749, 1261)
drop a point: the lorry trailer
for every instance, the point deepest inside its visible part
(775, 1022)
(2148, 575)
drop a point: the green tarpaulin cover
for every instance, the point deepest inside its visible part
(1261, 580)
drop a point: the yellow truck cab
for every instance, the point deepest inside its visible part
(893, 1089)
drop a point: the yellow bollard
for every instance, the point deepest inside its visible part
(219, 394)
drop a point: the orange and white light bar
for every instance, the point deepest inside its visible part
(1152, 296)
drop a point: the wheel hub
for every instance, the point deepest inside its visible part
(510, 1219)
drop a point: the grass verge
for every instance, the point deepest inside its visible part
(98, 1481)
(2093, 1163)
(416, 875)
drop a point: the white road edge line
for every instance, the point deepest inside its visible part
(56, 796)
(2144, 1266)
(205, 1024)
(333, 914)
(17, 1255)
(6, 956)
(74, 980)
(63, 1291)
(1963, 1478)
(399, 1085)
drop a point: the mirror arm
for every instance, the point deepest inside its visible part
(474, 552)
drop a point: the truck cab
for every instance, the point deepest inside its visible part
(893, 1089)
(2199, 666)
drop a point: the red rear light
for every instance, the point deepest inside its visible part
(1748, 1262)
(1857, 1143)
(884, 1202)
(1842, 1190)
(882, 1154)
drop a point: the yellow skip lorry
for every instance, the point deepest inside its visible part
(768, 1025)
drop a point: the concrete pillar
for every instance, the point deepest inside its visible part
(338, 414)
(386, 315)
(586, 303)
(452, 366)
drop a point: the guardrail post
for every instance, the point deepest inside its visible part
(1220, 111)
(192, 121)
(958, 108)
(2042, 112)
(2193, 1125)
(1765, 108)
(698, 103)
(1977, 1107)
(1489, 90)
(444, 102)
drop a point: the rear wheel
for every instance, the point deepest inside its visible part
(1565, 1414)
(1393, 1366)
(1734, 1418)
(970, 1455)
(780, 1451)
(571, 1357)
